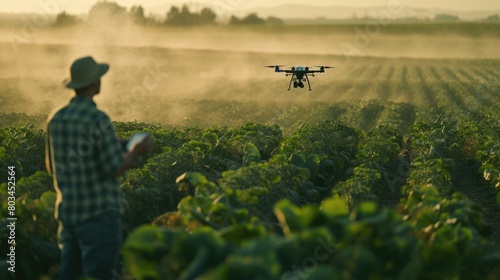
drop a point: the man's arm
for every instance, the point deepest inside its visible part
(111, 157)
(140, 149)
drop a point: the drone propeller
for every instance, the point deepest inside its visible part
(325, 67)
(274, 66)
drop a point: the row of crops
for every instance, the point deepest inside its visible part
(369, 194)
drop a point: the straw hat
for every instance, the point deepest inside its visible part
(85, 71)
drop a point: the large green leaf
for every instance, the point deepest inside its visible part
(288, 216)
(48, 200)
(149, 241)
(293, 218)
(312, 162)
(334, 207)
(240, 233)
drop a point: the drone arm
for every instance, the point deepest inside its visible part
(315, 71)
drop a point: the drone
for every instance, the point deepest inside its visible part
(299, 74)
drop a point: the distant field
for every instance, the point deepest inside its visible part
(428, 40)
(169, 75)
(170, 86)
(471, 29)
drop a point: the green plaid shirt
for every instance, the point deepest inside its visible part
(83, 148)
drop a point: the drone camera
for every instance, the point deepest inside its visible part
(300, 84)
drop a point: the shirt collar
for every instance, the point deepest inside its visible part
(82, 100)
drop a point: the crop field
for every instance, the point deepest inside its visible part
(388, 169)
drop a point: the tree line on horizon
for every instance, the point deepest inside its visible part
(114, 13)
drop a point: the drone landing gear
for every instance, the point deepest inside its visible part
(299, 83)
(308, 83)
(292, 80)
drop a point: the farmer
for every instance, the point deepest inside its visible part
(84, 156)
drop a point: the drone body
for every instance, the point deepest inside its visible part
(299, 74)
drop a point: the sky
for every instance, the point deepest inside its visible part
(83, 6)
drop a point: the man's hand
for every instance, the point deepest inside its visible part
(140, 149)
(145, 147)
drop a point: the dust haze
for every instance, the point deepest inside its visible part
(173, 75)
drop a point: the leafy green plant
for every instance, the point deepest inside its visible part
(36, 248)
